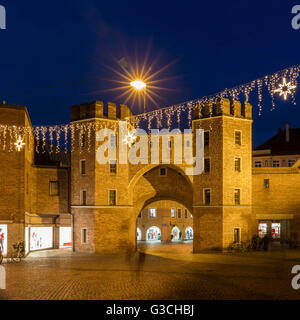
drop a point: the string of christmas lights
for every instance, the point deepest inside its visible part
(58, 138)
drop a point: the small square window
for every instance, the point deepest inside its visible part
(112, 197)
(84, 236)
(236, 235)
(83, 140)
(238, 137)
(266, 183)
(152, 213)
(207, 165)
(162, 171)
(207, 196)
(113, 167)
(276, 163)
(257, 164)
(291, 162)
(83, 197)
(237, 195)
(82, 167)
(185, 213)
(237, 164)
(113, 140)
(53, 188)
(206, 138)
(179, 213)
(172, 212)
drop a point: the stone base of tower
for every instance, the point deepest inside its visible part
(115, 230)
(214, 227)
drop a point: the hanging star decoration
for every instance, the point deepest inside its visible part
(129, 138)
(19, 144)
(285, 88)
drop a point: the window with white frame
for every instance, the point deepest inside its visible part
(172, 212)
(152, 213)
(207, 196)
(83, 197)
(237, 164)
(113, 166)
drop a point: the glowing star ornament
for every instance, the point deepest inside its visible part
(285, 89)
(129, 138)
(19, 144)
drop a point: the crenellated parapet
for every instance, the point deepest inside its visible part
(97, 109)
(222, 107)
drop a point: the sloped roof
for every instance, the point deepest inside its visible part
(279, 146)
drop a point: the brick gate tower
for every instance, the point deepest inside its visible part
(107, 198)
(222, 196)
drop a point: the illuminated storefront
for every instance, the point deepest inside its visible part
(176, 234)
(41, 238)
(275, 229)
(3, 237)
(65, 237)
(189, 233)
(153, 234)
(138, 234)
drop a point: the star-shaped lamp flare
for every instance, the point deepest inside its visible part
(285, 88)
(129, 139)
(19, 144)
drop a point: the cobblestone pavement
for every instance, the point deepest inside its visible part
(155, 272)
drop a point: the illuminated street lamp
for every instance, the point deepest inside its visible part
(140, 85)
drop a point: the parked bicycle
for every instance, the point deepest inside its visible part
(18, 253)
(239, 247)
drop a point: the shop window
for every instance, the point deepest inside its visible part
(207, 165)
(83, 197)
(237, 196)
(179, 213)
(185, 213)
(163, 172)
(41, 238)
(206, 138)
(113, 167)
(172, 212)
(84, 236)
(152, 213)
(53, 188)
(262, 229)
(238, 137)
(257, 164)
(3, 237)
(207, 196)
(266, 183)
(112, 197)
(82, 167)
(236, 235)
(276, 230)
(237, 164)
